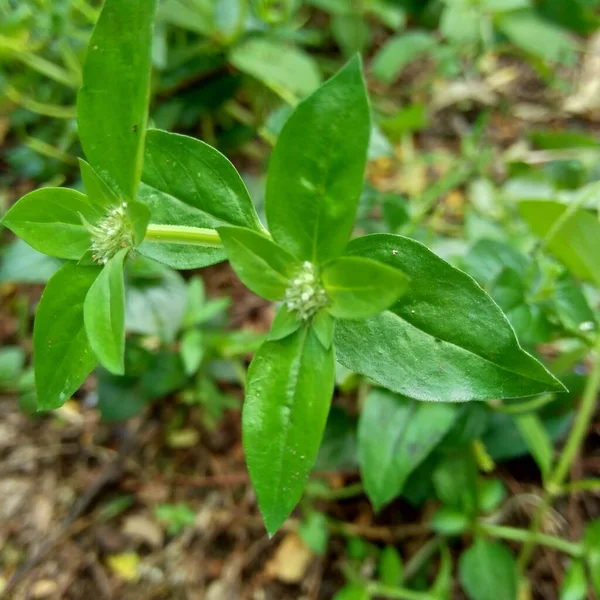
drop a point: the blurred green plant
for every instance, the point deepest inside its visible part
(531, 244)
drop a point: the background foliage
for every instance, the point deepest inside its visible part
(484, 148)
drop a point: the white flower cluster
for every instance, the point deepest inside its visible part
(305, 296)
(111, 234)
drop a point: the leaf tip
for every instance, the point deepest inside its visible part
(273, 523)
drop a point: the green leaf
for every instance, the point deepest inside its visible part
(99, 193)
(314, 531)
(104, 315)
(22, 264)
(591, 544)
(487, 571)
(290, 384)
(167, 210)
(200, 176)
(281, 67)
(284, 324)
(196, 17)
(490, 494)
(461, 23)
(487, 258)
(147, 376)
(139, 217)
(359, 287)
(49, 220)
(526, 29)
(572, 307)
(398, 52)
(536, 437)
(389, 14)
(529, 322)
(155, 305)
(112, 105)
(351, 32)
(449, 521)
(192, 350)
(455, 482)
(395, 435)
(444, 340)
(503, 441)
(317, 167)
(576, 243)
(62, 353)
(574, 584)
(352, 591)
(323, 325)
(263, 266)
(12, 364)
(390, 568)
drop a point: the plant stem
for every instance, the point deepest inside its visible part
(525, 535)
(586, 485)
(524, 407)
(386, 591)
(571, 210)
(349, 491)
(534, 529)
(421, 556)
(580, 426)
(180, 234)
(569, 452)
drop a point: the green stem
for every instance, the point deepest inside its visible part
(524, 407)
(181, 234)
(421, 557)
(586, 485)
(349, 491)
(573, 207)
(525, 535)
(580, 426)
(531, 541)
(554, 487)
(386, 591)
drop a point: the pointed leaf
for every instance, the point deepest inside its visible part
(359, 287)
(391, 569)
(284, 68)
(192, 350)
(576, 243)
(263, 266)
(324, 326)
(50, 220)
(399, 51)
(488, 572)
(112, 105)
(574, 584)
(200, 176)
(572, 307)
(317, 167)
(395, 434)
(104, 315)
(444, 340)
(139, 217)
(591, 543)
(284, 324)
(290, 384)
(62, 354)
(538, 441)
(455, 482)
(100, 194)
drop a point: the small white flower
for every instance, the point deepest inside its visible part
(111, 234)
(305, 295)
